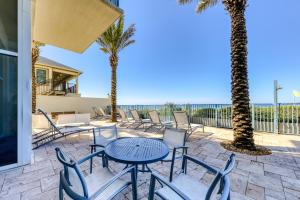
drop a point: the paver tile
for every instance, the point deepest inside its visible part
(280, 171)
(255, 192)
(273, 177)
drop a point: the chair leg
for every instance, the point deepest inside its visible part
(134, 184)
(151, 188)
(172, 165)
(61, 192)
(91, 165)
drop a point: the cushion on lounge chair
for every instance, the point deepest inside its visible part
(73, 119)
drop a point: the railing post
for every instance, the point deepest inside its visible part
(276, 130)
(216, 116)
(253, 116)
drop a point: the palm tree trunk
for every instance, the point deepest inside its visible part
(241, 119)
(35, 54)
(113, 63)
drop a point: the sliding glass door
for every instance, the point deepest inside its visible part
(8, 82)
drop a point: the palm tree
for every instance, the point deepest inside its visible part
(242, 125)
(35, 53)
(112, 42)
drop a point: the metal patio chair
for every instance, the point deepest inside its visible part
(175, 140)
(101, 137)
(102, 184)
(187, 187)
(156, 121)
(182, 121)
(124, 119)
(138, 121)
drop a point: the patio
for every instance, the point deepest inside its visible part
(276, 176)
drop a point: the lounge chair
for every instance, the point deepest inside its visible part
(100, 113)
(97, 113)
(101, 184)
(57, 131)
(182, 122)
(156, 122)
(124, 119)
(187, 187)
(101, 137)
(138, 121)
(106, 116)
(175, 140)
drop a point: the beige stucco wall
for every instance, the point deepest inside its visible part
(63, 103)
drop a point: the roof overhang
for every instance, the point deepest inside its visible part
(71, 24)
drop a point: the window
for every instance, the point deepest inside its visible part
(41, 76)
(8, 82)
(8, 25)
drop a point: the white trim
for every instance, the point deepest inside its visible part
(7, 167)
(10, 53)
(24, 83)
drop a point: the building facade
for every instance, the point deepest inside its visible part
(46, 21)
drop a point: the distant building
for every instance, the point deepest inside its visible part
(56, 79)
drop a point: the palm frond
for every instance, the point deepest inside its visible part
(185, 1)
(126, 36)
(114, 39)
(126, 44)
(204, 4)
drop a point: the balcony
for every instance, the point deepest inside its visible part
(50, 87)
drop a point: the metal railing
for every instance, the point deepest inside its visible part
(49, 88)
(264, 116)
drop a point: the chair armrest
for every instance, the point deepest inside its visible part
(199, 162)
(173, 158)
(181, 147)
(168, 184)
(82, 160)
(96, 145)
(112, 180)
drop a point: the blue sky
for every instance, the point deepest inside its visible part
(183, 57)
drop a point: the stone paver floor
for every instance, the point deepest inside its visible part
(272, 177)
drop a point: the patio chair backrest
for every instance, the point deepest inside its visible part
(154, 116)
(72, 173)
(181, 118)
(219, 182)
(135, 115)
(174, 137)
(223, 182)
(122, 114)
(103, 135)
(229, 165)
